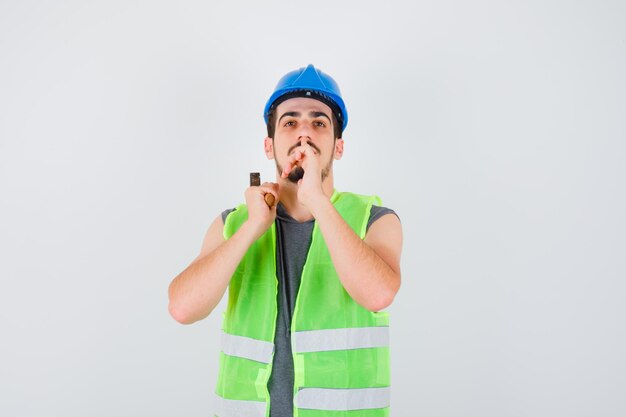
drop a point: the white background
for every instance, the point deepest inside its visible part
(496, 130)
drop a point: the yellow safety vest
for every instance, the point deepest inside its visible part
(340, 349)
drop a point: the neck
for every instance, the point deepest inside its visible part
(289, 197)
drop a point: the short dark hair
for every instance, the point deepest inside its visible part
(271, 123)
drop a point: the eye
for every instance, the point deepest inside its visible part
(290, 123)
(319, 124)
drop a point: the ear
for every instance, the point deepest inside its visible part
(338, 148)
(268, 145)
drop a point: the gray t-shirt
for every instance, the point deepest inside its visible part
(292, 240)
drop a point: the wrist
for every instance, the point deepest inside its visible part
(251, 231)
(319, 206)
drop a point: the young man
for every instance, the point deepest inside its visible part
(303, 334)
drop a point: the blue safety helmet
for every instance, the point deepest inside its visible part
(312, 83)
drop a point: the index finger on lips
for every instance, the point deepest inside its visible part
(306, 149)
(289, 165)
(295, 156)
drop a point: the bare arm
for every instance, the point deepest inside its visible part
(368, 269)
(195, 292)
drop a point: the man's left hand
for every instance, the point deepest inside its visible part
(310, 186)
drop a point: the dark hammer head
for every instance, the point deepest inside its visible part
(255, 181)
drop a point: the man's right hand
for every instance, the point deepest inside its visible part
(260, 216)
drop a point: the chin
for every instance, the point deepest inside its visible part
(296, 175)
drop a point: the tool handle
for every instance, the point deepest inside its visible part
(255, 181)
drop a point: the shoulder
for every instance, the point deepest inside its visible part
(232, 219)
(226, 212)
(376, 212)
(213, 237)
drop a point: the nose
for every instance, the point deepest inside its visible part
(303, 139)
(304, 129)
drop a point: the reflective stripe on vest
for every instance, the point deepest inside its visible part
(330, 399)
(246, 347)
(238, 408)
(341, 339)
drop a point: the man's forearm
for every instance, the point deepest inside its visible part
(368, 279)
(196, 291)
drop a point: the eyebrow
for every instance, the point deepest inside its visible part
(312, 114)
(319, 114)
